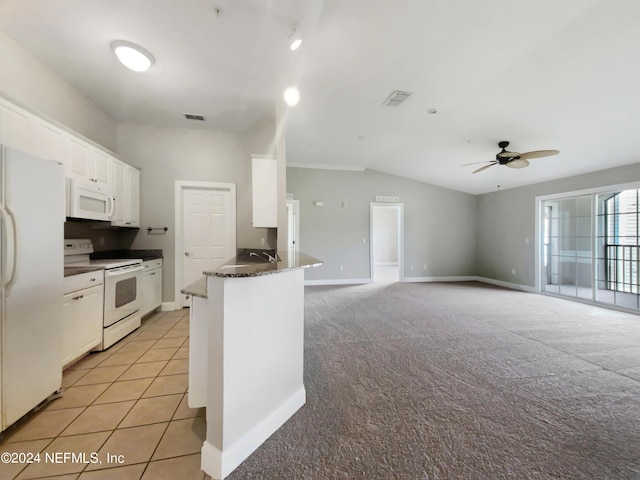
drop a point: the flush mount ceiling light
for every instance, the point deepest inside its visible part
(294, 36)
(132, 56)
(291, 96)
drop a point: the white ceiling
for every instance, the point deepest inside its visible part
(543, 74)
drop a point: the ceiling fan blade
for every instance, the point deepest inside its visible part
(518, 163)
(506, 154)
(475, 163)
(539, 153)
(485, 167)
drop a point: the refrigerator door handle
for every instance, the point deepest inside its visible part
(9, 268)
(14, 251)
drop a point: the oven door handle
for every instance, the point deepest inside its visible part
(123, 271)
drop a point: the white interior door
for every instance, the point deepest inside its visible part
(208, 231)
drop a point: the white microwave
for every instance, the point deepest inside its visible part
(88, 200)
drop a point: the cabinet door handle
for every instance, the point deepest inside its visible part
(187, 254)
(92, 279)
(152, 273)
(78, 297)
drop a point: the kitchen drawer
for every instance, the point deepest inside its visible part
(151, 264)
(74, 283)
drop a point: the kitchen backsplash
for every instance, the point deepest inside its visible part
(103, 236)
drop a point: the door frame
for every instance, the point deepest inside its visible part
(296, 228)
(180, 186)
(400, 208)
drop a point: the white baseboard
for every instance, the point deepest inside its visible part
(219, 463)
(385, 264)
(439, 279)
(461, 278)
(337, 281)
(513, 286)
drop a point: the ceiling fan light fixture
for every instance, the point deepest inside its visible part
(132, 56)
(513, 159)
(518, 163)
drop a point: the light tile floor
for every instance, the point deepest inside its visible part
(128, 404)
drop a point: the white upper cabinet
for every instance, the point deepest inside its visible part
(134, 196)
(101, 164)
(14, 126)
(78, 160)
(264, 181)
(47, 141)
(81, 159)
(126, 190)
(88, 163)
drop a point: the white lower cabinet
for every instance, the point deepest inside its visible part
(83, 310)
(151, 285)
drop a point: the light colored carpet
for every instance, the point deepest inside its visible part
(459, 381)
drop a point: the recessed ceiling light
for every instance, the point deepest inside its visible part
(295, 40)
(292, 96)
(295, 44)
(132, 56)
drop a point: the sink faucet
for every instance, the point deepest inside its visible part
(271, 259)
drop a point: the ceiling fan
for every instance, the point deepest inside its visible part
(513, 159)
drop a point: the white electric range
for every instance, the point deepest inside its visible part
(121, 289)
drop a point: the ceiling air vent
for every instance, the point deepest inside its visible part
(191, 116)
(396, 98)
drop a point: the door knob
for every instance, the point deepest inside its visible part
(187, 254)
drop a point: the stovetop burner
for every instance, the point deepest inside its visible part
(77, 253)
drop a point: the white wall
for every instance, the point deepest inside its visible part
(32, 85)
(439, 224)
(166, 155)
(506, 220)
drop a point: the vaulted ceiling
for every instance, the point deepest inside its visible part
(543, 74)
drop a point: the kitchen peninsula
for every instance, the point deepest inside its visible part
(246, 352)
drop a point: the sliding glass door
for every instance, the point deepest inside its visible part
(590, 247)
(567, 257)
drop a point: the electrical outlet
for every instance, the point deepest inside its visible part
(262, 242)
(341, 268)
(424, 267)
(102, 241)
(513, 271)
(411, 267)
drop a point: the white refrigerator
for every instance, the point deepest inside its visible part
(31, 275)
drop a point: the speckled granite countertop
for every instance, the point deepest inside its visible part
(68, 270)
(197, 288)
(143, 254)
(241, 267)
